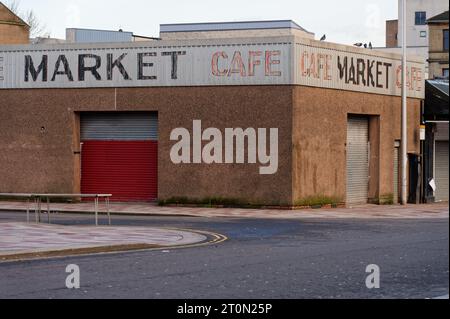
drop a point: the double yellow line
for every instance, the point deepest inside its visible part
(215, 238)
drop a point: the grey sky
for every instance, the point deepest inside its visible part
(344, 21)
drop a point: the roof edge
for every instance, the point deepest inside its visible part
(23, 21)
(293, 25)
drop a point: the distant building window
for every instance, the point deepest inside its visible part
(421, 18)
(445, 73)
(445, 40)
(423, 34)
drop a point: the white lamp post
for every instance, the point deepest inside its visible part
(404, 150)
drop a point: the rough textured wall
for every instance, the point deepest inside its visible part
(13, 34)
(35, 160)
(320, 133)
(39, 138)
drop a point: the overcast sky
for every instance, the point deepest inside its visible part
(343, 21)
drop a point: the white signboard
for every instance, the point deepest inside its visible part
(337, 69)
(270, 63)
(136, 67)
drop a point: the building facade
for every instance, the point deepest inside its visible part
(435, 155)
(79, 35)
(438, 48)
(13, 30)
(417, 14)
(418, 35)
(262, 121)
(436, 114)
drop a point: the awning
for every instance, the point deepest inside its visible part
(436, 100)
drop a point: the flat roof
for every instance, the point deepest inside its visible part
(441, 85)
(440, 18)
(228, 26)
(98, 30)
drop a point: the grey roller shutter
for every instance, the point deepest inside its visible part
(441, 170)
(357, 160)
(441, 132)
(119, 126)
(396, 176)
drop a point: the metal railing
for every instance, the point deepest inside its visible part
(37, 198)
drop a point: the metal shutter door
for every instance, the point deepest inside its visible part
(119, 126)
(441, 171)
(357, 161)
(396, 176)
(441, 132)
(119, 155)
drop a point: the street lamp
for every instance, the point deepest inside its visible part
(404, 149)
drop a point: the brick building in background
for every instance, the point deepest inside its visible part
(436, 112)
(391, 33)
(13, 30)
(417, 39)
(438, 50)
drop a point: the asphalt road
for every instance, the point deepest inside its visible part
(262, 259)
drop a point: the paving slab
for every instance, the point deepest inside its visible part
(437, 210)
(19, 240)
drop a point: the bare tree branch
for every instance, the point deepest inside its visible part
(37, 29)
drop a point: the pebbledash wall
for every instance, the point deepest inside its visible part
(305, 89)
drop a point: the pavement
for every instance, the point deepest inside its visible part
(24, 241)
(437, 210)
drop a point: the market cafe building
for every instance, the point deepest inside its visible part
(263, 121)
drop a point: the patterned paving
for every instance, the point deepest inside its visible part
(21, 238)
(439, 210)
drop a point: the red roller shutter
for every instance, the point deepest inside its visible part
(120, 156)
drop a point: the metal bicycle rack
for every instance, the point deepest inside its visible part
(38, 199)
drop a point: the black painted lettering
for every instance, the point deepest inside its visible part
(142, 65)
(174, 55)
(29, 68)
(343, 74)
(82, 68)
(67, 72)
(116, 64)
(361, 72)
(387, 65)
(352, 72)
(379, 73)
(370, 78)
